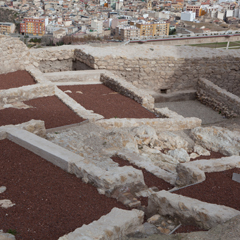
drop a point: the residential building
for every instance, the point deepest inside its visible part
(188, 16)
(33, 26)
(149, 29)
(127, 32)
(97, 25)
(194, 8)
(7, 27)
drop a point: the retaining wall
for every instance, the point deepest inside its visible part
(219, 99)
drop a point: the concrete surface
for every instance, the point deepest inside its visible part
(193, 108)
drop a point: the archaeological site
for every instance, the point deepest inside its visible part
(126, 142)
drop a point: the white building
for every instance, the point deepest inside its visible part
(97, 25)
(229, 13)
(221, 15)
(188, 16)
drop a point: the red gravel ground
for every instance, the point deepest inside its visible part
(49, 201)
(15, 79)
(104, 101)
(49, 109)
(218, 188)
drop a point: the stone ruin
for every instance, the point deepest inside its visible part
(163, 146)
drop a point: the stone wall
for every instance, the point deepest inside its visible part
(217, 98)
(54, 59)
(14, 55)
(149, 67)
(169, 72)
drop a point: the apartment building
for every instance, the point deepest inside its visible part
(127, 32)
(33, 26)
(149, 29)
(196, 9)
(7, 27)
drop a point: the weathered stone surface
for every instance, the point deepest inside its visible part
(180, 154)
(201, 151)
(34, 126)
(189, 210)
(219, 99)
(171, 141)
(26, 93)
(173, 124)
(115, 225)
(127, 89)
(217, 139)
(155, 167)
(145, 135)
(6, 236)
(193, 172)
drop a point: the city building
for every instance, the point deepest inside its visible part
(188, 16)
(196, 9)
(97, 25)
(149, 29)
(33, 26)
(7, 27)
(127, 32)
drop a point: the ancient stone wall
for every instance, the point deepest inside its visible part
(167, 68)
(14, 55)
(54, 59)
(217, 98)
(168, 72)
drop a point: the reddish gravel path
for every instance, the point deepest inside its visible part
(218, 188)
(49, 109)
(15, 79)
(49, 201)
(104, 101)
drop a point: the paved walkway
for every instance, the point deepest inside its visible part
(193, 108)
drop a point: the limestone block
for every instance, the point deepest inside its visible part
(34, 126)
(26, 93)
(201, 151)
(170, 140)
(115, 225)
(107, 179)
(157, 123)
(193, 172)
(147, 163)
(189, 175)
(145, 135)
(218, 139)
(180, 154)
(6, 236)
(189, 210)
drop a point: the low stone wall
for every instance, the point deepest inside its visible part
(106, 181)
(115, 225)
(26, 93)
(194, 172)
(189, 210)
(166, 124)
(217, 98)
(125, 88)
(76, 107)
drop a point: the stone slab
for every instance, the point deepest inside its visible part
(115, 225)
